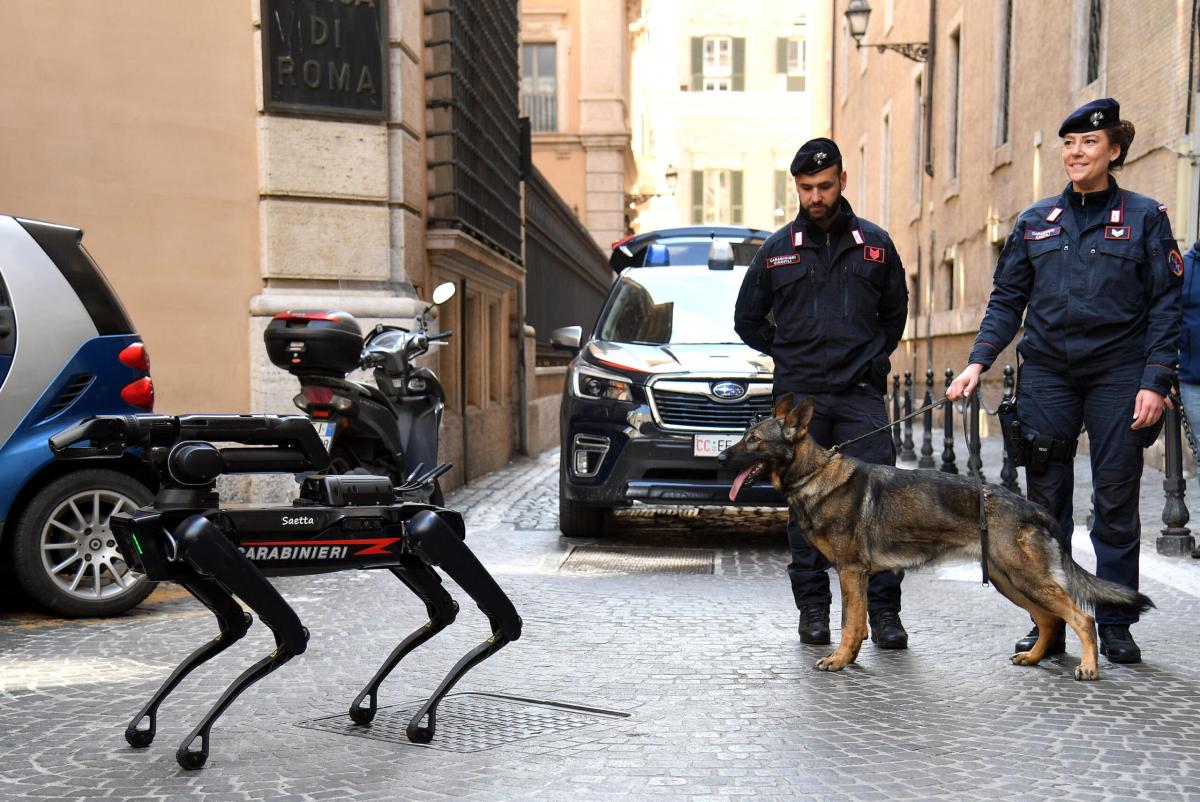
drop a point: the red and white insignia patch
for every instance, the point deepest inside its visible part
(1055, 213)
(1176, 263)
(858, 237)
(798, 239)
(872, 254)
(1162, 207)
(1117, 232)
(786, 259)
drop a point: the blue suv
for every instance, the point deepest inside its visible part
(67, 351)
(663, 384)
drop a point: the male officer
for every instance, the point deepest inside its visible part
(835, 288)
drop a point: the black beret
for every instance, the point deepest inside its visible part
(1094, 116)
(816, 155)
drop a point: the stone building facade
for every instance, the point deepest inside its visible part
(946, 167)
(147, 125)
(724, 94)
(575, 91)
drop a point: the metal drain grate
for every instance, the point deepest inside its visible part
(639, 561)
(472, 722)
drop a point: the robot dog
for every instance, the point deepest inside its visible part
(338, 523)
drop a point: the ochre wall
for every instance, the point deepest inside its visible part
(136, 122)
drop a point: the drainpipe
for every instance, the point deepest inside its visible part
(929, 63)
(464, 338)
(833, 40)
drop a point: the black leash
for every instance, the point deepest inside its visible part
(983, 524)
(890, 424)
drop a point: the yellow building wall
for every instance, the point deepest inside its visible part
(138, 126)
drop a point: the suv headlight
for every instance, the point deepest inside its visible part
(587, 381)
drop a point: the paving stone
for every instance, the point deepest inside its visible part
(723, 699)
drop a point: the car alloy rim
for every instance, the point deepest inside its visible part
(79, 551)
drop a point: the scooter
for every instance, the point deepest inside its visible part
(389, 429)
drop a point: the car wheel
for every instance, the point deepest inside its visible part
(65, 555)
(576, 520)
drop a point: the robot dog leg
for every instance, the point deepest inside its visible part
(438, 544)
(207, 551)
(424, 582)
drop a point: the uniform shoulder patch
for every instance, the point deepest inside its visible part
(874, 254)
(1175, 261)
(1162, 207)
(785, 259)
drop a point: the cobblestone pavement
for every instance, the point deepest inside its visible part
(722, 700)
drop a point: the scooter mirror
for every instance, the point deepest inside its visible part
(443, 292)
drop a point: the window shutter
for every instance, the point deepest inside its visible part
(739, 64)
(781, 54)
(697, 197)
(697, 64)
(735, 197)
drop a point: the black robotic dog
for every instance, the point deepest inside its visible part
(338, 523)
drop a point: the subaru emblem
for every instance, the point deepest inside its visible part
(728, 391)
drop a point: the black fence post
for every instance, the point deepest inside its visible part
(1008, 472)
(926, 460)
(974, 447)
(948, 459)
(1176, 539)
(907, 452)
(897, 440)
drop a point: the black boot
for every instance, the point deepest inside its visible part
(1118, 645)
(886, 630)
(1057, 646)
(814, 623)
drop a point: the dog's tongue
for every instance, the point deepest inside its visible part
(738, 481)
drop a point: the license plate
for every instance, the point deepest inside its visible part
(710, 445)
(324, 431)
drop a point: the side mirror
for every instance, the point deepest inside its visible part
(443, 292)
(567, 338)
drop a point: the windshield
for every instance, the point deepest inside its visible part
(654, 306)
(675, 252)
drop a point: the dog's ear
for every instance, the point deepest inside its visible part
(799, 416)
(783, 405)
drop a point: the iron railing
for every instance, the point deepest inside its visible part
(567, 275)
(474, 134)
(1175, 537)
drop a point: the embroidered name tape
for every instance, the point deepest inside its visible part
(788, 259)
(1045, 233)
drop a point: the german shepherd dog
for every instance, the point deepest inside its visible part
(868, 518)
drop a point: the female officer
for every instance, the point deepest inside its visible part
(1098, 270)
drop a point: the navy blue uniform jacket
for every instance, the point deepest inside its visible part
(837, 301)
(1104, 296)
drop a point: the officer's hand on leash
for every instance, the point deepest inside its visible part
(965, 383)
(1148, 408)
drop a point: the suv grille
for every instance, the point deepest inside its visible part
(700, 412)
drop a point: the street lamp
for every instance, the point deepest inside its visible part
(672, 176)
(858, 12)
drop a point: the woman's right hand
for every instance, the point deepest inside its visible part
(965, 383)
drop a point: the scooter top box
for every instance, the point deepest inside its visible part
(326, 342)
